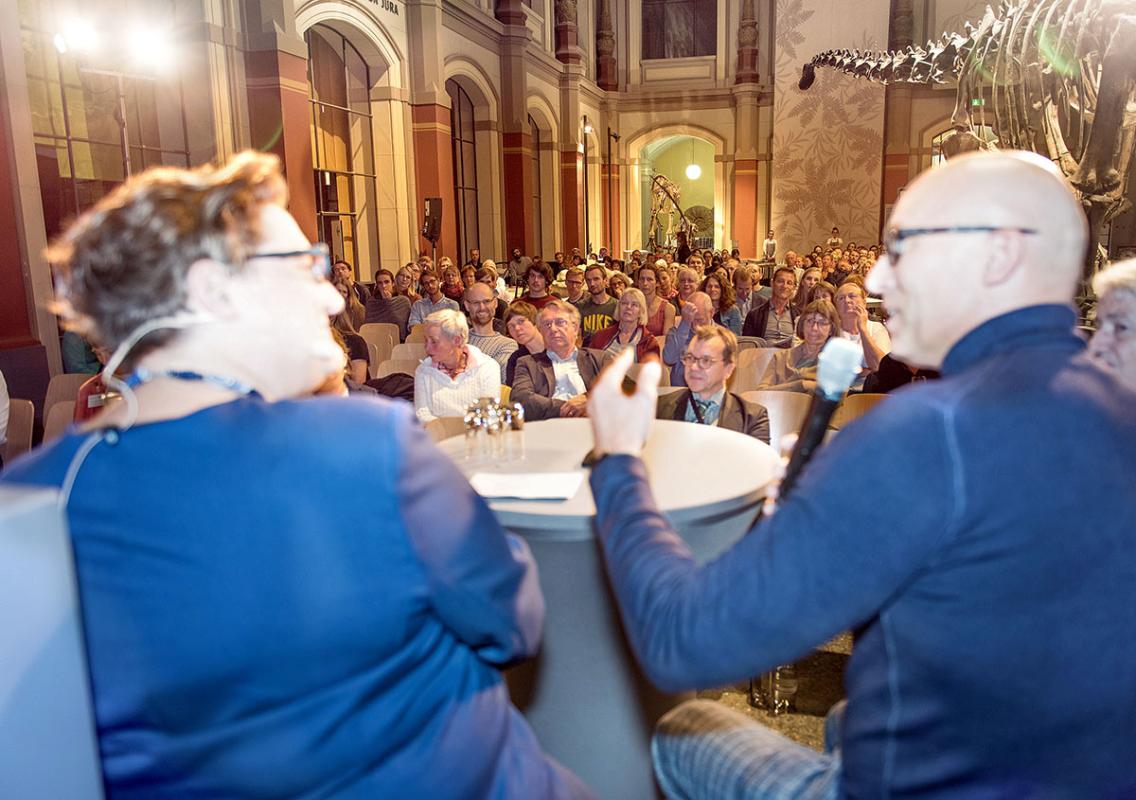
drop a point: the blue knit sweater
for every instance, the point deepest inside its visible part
(978, 532)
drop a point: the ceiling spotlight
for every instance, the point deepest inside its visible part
(149, 47)
(693, 172)
(78, 35)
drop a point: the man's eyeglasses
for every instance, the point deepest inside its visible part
(703, 362)
(895, 237)
(319, 258)
(559, 323)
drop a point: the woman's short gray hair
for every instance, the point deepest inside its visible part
(451, 323)
(1120, 277)
(641, 299)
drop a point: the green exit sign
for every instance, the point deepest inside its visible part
(978, 101)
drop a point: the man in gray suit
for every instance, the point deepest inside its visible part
(555, 383)
(710, 359)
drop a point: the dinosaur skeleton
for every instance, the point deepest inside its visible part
(665, 195)
(1060, 77)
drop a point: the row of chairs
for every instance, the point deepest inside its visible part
(59, 410)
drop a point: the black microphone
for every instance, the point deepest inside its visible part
(838, 366)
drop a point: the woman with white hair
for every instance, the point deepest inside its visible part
(1114, 343)
(629, 330)
(455, 374)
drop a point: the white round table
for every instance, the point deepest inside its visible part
(585, 697)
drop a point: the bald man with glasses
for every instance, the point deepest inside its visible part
(976, 532)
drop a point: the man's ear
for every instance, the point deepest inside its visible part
(208, 287)
(1003, 258)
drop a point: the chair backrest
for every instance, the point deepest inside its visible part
(21, 421)
(444, 427)
(787, 411)
(853, 407)
(414, 350)
(417, 334)
(58, 417)
(63, 387)
(373, 367)
(48, 744)
(393, 365)
(751, 366)
(749, 343)
(383, 335)
(506, 393)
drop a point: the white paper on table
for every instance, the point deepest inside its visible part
(527, 486)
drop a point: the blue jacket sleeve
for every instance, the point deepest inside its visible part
(482, 582)
(675, 343)
(860, 524)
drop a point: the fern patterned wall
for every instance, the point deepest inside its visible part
(827, 142)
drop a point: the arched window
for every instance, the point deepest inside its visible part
(462, 139)
(343, 149)
(534, 133)
(983, 132)
(680, 28)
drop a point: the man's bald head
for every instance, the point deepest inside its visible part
(938, 285)
(704, 306)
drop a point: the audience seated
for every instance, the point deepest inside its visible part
(630, 330)
(520, 323)
(538, 277)
(660, 313)
(744, 296)
(405, 282)
(1114, 343)
(78, 354)
(455, 374)
(432, 300)
(342, 271)
(809, 278)
(452, 286)
(574, 287)
(794, 370)
(687, 279)
(852, 305)
(698, 311)
(775, 320)
(617, 282)
(721, 294)
(354, 347)
(356, 312)
(823, 290)
(480, 304)
(598, 309)
(385, 306)
(555, 382)
(709, 361)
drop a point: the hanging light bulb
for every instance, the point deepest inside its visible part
(693, 171)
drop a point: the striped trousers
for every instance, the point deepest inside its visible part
(704, 750)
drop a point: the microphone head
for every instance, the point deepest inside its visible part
(837, 367)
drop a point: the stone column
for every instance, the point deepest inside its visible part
(516, 142)
(571, 158)
(567, 34)
(430, 121)
(607, 75)
(745, 170)
(280, 117)
(747, 45)
(611, 227)
(897, 169)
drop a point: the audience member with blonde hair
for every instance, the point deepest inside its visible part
(629, 330)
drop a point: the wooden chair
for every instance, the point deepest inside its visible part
(383, 335)
(63, 387)
(410, 350)
(444, 427)
(417, 334)
(664, 379)
(751, 367)
(373, 367)
(853, 407)
(58, 417)
(393, 365)
(506, 393)
(21, 421)
(749, 343)
(787, 411)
